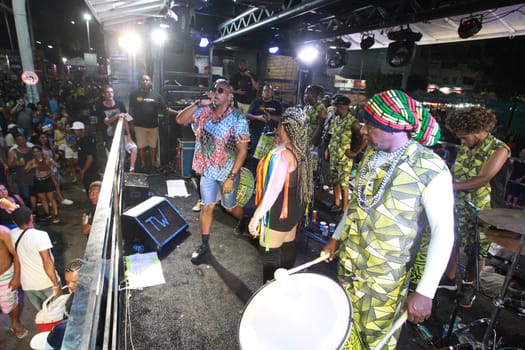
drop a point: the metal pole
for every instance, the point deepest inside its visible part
(88, 36)
(8, 27)
(499, 301)
(24, 43)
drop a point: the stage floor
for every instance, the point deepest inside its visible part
(200, 307)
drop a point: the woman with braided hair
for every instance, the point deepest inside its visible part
(283, 192)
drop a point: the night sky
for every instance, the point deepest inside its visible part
(51, 24)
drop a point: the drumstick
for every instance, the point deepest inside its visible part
(395, 327)
(322, 257)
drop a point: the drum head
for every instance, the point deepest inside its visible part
(245, 188)
(300, 311)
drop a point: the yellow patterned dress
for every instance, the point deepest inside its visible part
(466, 166)
(377, 243)
(312, 117)
(340, 164)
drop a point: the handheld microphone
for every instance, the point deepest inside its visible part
(201, 97)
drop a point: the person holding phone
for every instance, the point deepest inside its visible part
(245, 86)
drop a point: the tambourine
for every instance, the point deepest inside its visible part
(245, 188)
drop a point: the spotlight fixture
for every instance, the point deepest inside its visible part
(159, 36)
(335, 58)
(273, 49)
(338, 44)
(399, 53)
(469, 26)
(367, 41)
(309, 53)
(404, 35)
(204, 42)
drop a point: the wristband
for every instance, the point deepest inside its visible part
(232, 176)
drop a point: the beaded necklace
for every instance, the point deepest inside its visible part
(363, 200)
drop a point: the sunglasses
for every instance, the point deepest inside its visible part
(219, 90)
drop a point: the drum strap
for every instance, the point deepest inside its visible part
(20, 237)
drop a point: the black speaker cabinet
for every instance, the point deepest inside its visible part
(136, 188)
(152, 224)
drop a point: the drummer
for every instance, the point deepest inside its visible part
(283, 192)
(400, 187)
(480, 157)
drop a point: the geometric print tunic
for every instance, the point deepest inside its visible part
(466, 166)
(377, 243)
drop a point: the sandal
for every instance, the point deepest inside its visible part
(21, 334)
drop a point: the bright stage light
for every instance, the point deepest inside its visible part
(130, 42)
(273, 50)
(308, 54)
(159, 36)
(204, 42)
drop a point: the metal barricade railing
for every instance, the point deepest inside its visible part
(94, 317)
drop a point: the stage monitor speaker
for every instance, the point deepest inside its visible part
(152, 224)
(136, 189)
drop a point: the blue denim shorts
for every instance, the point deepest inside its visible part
(211, 192)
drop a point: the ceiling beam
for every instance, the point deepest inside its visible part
(324, 29)
(261, 17)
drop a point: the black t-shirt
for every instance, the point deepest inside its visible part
(258, 107)
(87, 147)
(146, 106)
(108, 112)
(242, 82)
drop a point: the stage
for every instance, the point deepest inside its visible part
(200, 307)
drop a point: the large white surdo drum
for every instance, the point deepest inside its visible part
(300, 311)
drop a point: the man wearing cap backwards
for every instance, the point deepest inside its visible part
(402, 190)
(87, 155)
(221, 146)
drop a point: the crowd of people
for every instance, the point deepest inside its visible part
(401, 227)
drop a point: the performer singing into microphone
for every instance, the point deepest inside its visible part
(480, 157)
(221, 146)
(403, 189)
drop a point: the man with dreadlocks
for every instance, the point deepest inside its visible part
(283, 192)
(403, 188)
(221, 146)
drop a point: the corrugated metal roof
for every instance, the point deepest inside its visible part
(113, 12)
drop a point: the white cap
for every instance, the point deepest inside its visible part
(39, 342)
(78, 126)
(10, 126)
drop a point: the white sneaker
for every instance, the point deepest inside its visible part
(67, 201)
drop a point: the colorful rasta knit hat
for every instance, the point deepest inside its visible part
(395, 111)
